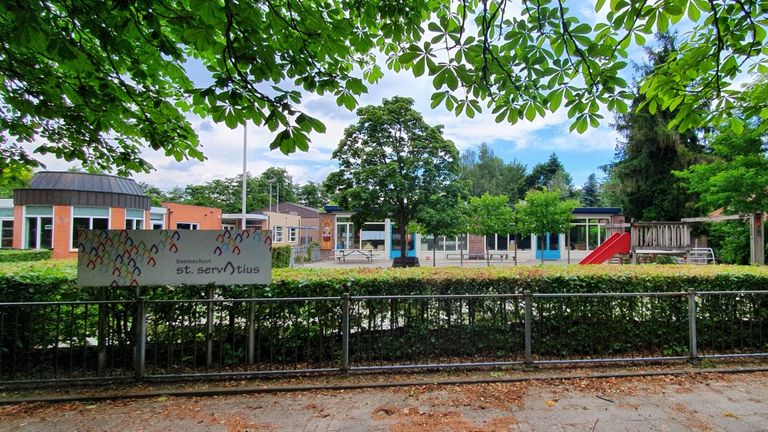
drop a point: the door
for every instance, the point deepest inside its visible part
(551, 247)
(395, 237)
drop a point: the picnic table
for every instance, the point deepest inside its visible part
(343, 254)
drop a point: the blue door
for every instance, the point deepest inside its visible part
(395, 242)
(551, 247)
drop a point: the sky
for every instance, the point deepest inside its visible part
(526, 142)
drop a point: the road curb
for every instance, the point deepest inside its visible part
(232, 391)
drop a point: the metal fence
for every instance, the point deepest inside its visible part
(171, 339)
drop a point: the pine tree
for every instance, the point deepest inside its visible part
(650, 151)
(589, 193)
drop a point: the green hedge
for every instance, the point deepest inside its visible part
(415, 330)
(281, 256)
(24, 255)
(56, 279)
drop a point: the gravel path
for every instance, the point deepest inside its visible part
(710, 402)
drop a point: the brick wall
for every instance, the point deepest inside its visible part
(62, 232)
(117, 218)
(476, 244)
(18, 223)
(208, 218)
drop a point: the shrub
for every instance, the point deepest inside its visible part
(23, 255)
(485, 327)
(281, 256)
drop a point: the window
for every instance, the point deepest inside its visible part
(39, 227)
(88, 218)
(187, 226)
(134, 219)
(157, 220)
(6, 233)
(277, 234)
(587, 234)
(292, 235)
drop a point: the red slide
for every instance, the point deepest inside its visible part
(617, 243)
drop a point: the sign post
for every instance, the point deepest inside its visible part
(137, 258)
(167, 257)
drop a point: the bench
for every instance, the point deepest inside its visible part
(502, 256)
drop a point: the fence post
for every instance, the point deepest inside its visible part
(528, 318)
(692, 349)
(209, 331)
(251, 329)
(141, 339)
(102, 332)
(345, 332)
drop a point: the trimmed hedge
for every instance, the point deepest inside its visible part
(281, 256)
(56, 279)
(24, 255)
(420, 330)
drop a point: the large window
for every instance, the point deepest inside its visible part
(87, 218)
(499, 242)
(6, 233)
(134, 219)
(373, 235)
(39, 227)
(292, 235)
(587, 233)
(157, 221)
(187, 226)
(6, 227)
(444, 243)
(277, 234)
(346, 237)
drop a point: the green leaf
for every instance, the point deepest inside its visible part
(599, 5)
(736, 125)
(693, 12)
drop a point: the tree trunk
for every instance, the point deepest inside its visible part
(403, 240)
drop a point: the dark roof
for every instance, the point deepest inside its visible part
(81, 189)
(597, 210)
(75, 181)
(287, 208)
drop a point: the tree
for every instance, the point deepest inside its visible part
(489, 215)
(312, 195)
(485, 172)
(544, 212)
(650, 151)
(226, 194)
(97, 81)
(393, 164)
(735, 177)
(443, 218)
(156, 196)
(590, 192)
(283, 188)
(550, 175)
(14, 176)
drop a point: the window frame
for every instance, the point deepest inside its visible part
(277, 234)
(90, 218)
(193, 226)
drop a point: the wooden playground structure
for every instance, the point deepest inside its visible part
(640, 241)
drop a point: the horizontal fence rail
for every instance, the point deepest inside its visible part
(170, 339)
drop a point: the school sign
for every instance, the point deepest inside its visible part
(173, 257)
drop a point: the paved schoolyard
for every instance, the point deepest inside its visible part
(385, 263)
(710, 402)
